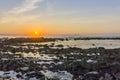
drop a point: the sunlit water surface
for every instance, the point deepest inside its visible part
(85, 44)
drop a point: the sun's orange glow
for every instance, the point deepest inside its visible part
(36, 33)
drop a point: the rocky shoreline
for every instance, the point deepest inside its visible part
(50, 62)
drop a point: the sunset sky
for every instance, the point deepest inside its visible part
(60, 17)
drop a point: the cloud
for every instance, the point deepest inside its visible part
(21, 19)
(28, 5)
(17, 14)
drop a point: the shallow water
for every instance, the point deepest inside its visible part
(109, 44)
(85, 44)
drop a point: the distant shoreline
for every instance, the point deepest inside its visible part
(63, 37)
(79, 37)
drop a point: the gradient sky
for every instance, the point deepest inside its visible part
(60, 17)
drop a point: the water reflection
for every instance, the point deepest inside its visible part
(85, 44)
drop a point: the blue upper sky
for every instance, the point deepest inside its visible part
(65, 4)
(81, 16)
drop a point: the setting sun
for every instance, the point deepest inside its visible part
(36, 33)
